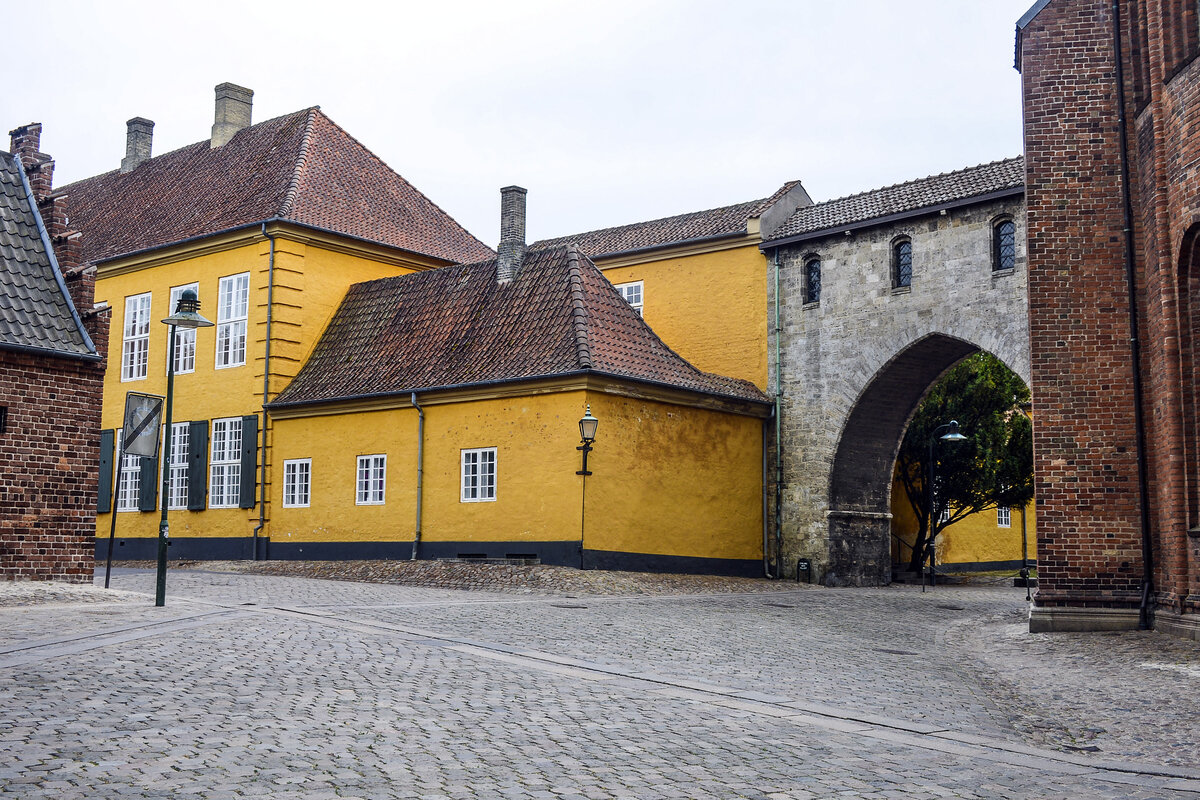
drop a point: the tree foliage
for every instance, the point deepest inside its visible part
(993, 467)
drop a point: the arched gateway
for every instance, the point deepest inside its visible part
(909, 280)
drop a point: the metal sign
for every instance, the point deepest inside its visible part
(143, 420)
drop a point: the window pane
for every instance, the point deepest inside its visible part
(812, 281)
(903, 264)
(1006, 245)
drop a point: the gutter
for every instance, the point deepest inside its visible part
(420, 470)
(262, 451)
(46, 351)
(1134, 344)
(999, 194)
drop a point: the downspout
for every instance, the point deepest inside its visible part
(1134, 344)
(776, 413)
(420, 470)
(262, 451)
(766, 500)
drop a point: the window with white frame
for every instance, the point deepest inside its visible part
(372, 476)
(632, 292)
(185, 338)
(945, 515)
(1003, 517)
(297, 480)
(233, 307)
(129, 482)
(479, 475)
(135, 345)
(225, 463)
(177, 492)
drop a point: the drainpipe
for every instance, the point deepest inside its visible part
(1134, 345)
(420, 469)
(262, 452)
(766, 517)
(775, 412)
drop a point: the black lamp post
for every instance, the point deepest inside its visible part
(587, 432)
(187, 315)
(952, 435)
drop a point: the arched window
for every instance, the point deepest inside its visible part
(1004, 245)
(902, 263)
(812, 280)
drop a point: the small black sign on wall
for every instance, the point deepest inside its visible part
(3, 420)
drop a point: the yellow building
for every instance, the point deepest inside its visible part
(699, 279)
(269, 224)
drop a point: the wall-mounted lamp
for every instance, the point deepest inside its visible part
(587, 432)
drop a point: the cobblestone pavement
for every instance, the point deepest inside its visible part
(284, 687)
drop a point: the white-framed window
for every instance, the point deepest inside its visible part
(479, 475)
(135, 344)
(233, 307)
(129, 481)
(945, 515)
(177, 493)
(372, 476)
(225, 463)
(632, 292)
(1003, 517)
(297, 482)
(185, 338)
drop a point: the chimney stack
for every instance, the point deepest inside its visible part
(511, 251)
(26, 142)
(232, 113)
(139, 134)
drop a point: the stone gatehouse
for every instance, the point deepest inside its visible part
(871, 299)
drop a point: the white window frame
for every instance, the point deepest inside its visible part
(633, 293)
(1003, 517)
(135, 342)
(233, 309)
(297, 482)
(129, 481)
(225, 463)
(370, 481)
(185, 338)
(478, 473)
(177, 492)
(946, 513)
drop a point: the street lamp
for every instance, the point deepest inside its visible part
(187, 315)
(587, 432)
(951, 436)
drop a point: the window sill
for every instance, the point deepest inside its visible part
(813, 304)
(901, 289)
(1003, 273)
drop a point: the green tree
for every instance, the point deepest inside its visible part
(992, 467)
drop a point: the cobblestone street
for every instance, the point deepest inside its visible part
(269, 686)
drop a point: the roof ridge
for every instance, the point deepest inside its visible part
(289, 197)
(879, 189)
(580, 234)
(388, 167)
(579, 314)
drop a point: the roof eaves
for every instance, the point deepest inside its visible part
(58, 277)
(871, 222)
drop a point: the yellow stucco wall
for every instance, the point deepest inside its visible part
(709, 307)
(667, 479)
(310, 281)
(972, 539)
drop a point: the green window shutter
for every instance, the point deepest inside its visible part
(104, 497)
(197, 465)
(249, 461)
(148, 484)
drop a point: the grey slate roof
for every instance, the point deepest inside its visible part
(931, 192)
(36, 311)
(715, 222)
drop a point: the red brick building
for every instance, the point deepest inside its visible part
(50, 377)
(1112, 149)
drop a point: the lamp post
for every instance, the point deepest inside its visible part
(951, 436)
(587, 432)
(187, 315)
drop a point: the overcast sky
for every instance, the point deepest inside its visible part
(608, 112)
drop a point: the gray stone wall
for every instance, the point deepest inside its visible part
(855, 364)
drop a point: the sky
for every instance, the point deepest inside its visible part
(608, 112)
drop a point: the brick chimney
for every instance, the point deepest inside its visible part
(139, 134)
(511, 251)
(232, 113)
(26, 142)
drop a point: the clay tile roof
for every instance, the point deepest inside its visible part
(456, 325)
(716, 222)
(301, 167)
(35, 309)
(915, 195)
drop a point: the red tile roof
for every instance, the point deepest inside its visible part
(301, 167)
(457, 325)
(715, 222)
